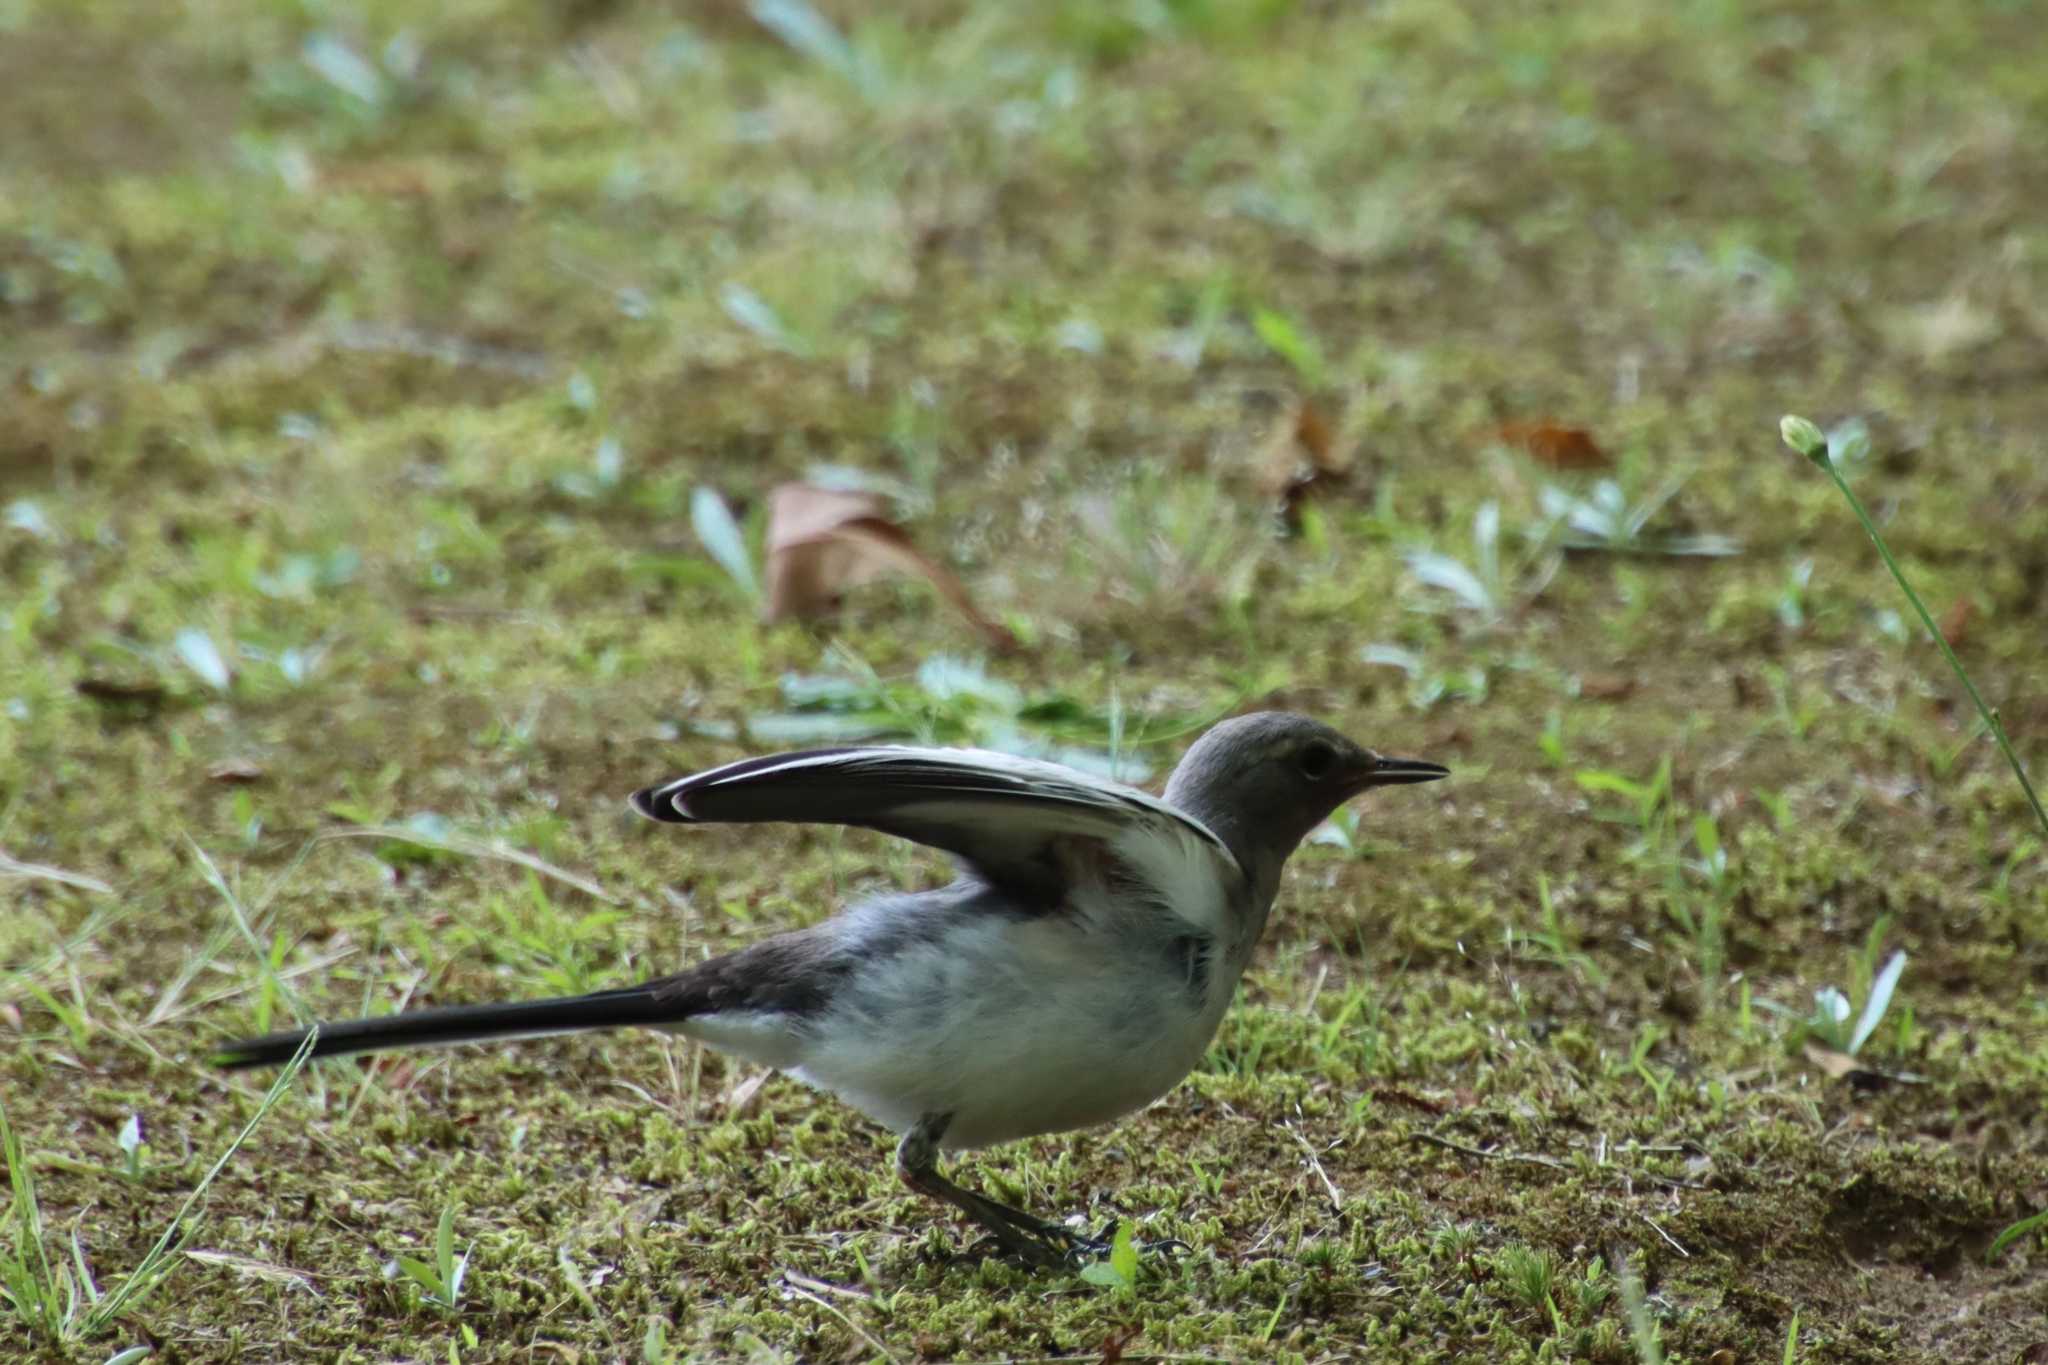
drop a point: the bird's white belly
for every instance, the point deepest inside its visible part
(1018, 1029)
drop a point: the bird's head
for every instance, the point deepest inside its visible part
(1263, 781)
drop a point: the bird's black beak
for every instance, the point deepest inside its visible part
(1393, 772)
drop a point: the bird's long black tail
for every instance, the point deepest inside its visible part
(459, 1024)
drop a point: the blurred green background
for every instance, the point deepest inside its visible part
(393, 398)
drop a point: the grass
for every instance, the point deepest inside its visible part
(392, 410)
(1809, 441)
(58, 1302)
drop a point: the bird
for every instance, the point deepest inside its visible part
(1073, 971)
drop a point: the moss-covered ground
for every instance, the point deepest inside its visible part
(361, 360)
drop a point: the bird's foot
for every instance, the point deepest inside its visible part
(1081, 1250)
(1035, 1243)
(1012, 1233)
(1045, 1246)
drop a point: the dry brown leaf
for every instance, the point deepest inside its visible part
(823, 542)
(1554, 444)
(1299, 453)
(1830, 1060)
(1298, 459)
(401, 179)
(1607, 687)
(147, 693)
(236, 772)
(397, 1073)
(1955, 622)
(1840, 1066)
(1312, 433)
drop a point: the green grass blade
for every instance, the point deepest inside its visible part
(723, 540)
(25, 1271)
(1805, 438)
(2031, 1224)
(157, 1264)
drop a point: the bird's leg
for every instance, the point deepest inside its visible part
(1033, 1240)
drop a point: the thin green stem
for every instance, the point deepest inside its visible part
(1899, 576)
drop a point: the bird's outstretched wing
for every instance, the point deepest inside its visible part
(999, 814)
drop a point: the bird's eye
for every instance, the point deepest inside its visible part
(1317, 760)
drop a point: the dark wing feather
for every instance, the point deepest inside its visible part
(997, 813)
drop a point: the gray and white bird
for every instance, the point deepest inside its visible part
(1074, 971)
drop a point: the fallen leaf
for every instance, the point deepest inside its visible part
(1312, 431)
(1552, 443)
(1607, 687)
(822, 542)
(236, 771)
(120, 690)
(398, 1073)
(1299, 453)
(1841, 1066)
(1724, 1356)
(1830, 1060)
(1955, 622)
(401, 179)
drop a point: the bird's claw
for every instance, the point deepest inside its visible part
(1081, 1250)
(1045, 1246)
(1031, 1251)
